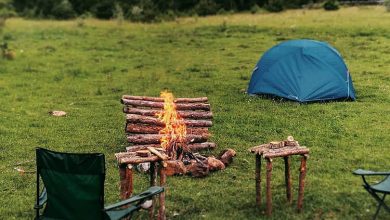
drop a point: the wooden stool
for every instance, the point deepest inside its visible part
(126, 162)
(268, 152)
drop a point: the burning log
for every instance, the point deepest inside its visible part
(183, 114)
(226, 156)
(195, 147)
(143, 153)
(215, 164)
(156, 138)
(154, 129)
(175, 167)
(179, 106)
(157, 99)
(132, 118)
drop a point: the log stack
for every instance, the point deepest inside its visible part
(143, 126)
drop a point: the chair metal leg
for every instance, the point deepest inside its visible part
(380, 205)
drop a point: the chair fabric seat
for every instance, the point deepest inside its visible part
(383, 187)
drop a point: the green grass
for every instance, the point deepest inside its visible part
(84, 70)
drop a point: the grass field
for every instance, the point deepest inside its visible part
(83, 68)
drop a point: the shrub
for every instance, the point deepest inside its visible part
(206, 7)
(255, 9)
(331, 5)
(64, 10)
(274, 6)
(104, 9)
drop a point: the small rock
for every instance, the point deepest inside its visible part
(58, 113)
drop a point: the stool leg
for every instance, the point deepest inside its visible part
(126, 181)
(163, 178)
(302, 174)
(287, 177)
(153, 182)
(258, 180)
(269, 195)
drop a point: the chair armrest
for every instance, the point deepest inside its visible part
(42, 199)
(362, 172)
(154, 190)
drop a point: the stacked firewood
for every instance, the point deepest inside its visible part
(143, 128)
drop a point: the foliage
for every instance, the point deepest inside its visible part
(255, 9)
(84, 72)
(331, 5)
(274, 6)
(146, 10)
(64, 10)
(387, 5)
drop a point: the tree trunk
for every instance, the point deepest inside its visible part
(151, 129)
(183, 114)
(179, 106)
(155, 138)
(158, 99)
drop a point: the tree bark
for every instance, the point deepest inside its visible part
(195, 147)
(183, 114)
(132, 118)
(226, 156)
(155, 138)
(175, 167)
(214, 164)
(155, 129)
(179, 106)
(158, 99)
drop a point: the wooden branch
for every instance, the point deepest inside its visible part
(195, 147)
(183, 114)
(155, 129)
(226, 156)
(286, 151)
(175, 167)
(136, 160)
(158, 99)
(179, 106)
(215, 164)
(140, 119)
(158, 154)
(132, 118)
(155, 138)
(201, 146)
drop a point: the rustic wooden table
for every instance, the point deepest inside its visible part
(126, 163)
(269, 152)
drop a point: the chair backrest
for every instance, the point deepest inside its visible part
(74, 184)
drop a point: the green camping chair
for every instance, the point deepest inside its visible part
(383, 187)
(74, 188)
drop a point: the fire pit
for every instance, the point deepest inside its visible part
(176, 128)
(168, 134)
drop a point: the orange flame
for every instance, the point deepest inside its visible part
(175, 130)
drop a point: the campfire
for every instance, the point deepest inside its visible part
(174, 130)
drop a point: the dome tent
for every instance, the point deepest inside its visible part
(303, 71)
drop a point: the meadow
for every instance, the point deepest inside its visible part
(83, 67)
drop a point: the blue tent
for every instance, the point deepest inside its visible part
(303, 71)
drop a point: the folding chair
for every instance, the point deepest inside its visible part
(383, 187)
(74, 188)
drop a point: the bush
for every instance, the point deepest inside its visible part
(206, 7)
(64, 10)
(331, 5)
(387, 5)
(255, 9)
(104, 9)
(274, 6)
